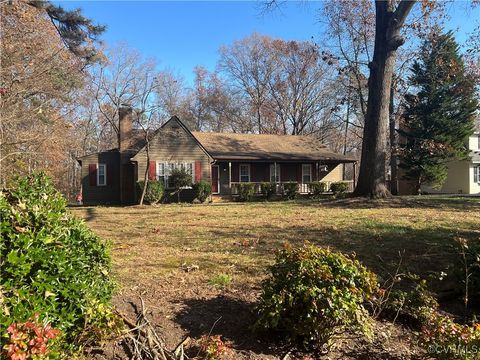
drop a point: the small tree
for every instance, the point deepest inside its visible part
(180, 179)
(439, 118)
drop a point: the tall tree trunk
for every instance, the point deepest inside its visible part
(371, 181)
(393, 145)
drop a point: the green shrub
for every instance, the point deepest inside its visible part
(52, 265)
(445, 339)
(414, 306)
(339, 187)
(313, 294)
(290, 190)
(180, 179)
(246, 191)
(318, 188)
(202, 190)
(154, 193)
(268, 189)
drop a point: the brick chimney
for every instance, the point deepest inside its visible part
(124, 128)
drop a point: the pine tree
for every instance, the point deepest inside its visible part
(439, 116)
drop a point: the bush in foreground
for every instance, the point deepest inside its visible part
(246, 191)
(52, 265)
(339, 187)
(202, 190)
(290, 190)
(268, 189)
(313, 294)
(318, 188)
(154, 193)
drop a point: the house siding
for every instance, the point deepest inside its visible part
(459, 178)
(108, 194)
(173, 143)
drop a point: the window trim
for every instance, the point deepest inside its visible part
(104, 166)
(272, 173)
(240, 172)
(310, 173)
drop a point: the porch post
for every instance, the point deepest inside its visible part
(230, 175)
(274, 171)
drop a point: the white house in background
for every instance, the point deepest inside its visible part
(463, 176)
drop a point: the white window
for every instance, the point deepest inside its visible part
(244, 172)
(164, 169)
(306, 173)
(161, 171)
(101, 174)
(476, 174)
(274, 175)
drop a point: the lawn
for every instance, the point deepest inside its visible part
(174, 255)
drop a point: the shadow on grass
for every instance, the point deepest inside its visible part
(380, 246)
(413, 202)
(230, 317)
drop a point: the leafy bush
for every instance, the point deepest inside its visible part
(415, 306)
(290, 190)
(52, 264)
(214, 348)
(246, 191)
(154, 193)
(268, 189)
(180, 178)
(318, 188)
(313, 294)
(202, 190)
(445, 339)
(339, 187)
(30, 340)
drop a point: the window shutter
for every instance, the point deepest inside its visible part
(109, 174)
(252, 172)
(152, 170)
(198, 170)
(92, 173)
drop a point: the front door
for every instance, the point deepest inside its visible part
(214, 179)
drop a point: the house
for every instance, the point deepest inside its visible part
(463, 176)
(223, 159)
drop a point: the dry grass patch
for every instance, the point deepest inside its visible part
(170, 253)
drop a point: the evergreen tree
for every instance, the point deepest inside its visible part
(439, 116)
(77, 32)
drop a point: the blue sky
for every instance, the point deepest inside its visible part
(181, 34)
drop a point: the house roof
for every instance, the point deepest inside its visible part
(230, 146)
(475, 154)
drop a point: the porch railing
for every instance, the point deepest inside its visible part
(303, 188)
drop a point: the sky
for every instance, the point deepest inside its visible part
(183, 34)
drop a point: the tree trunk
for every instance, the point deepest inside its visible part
(371, 181)
(393, 146)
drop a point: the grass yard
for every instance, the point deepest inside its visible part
(195, 264)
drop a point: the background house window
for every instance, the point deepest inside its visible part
(274, 177)
(476, 174)
(161, 172)
(244, 173)
(164, 169)
(306, 173)
(101, 175)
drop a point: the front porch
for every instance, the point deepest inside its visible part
(227, 175)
